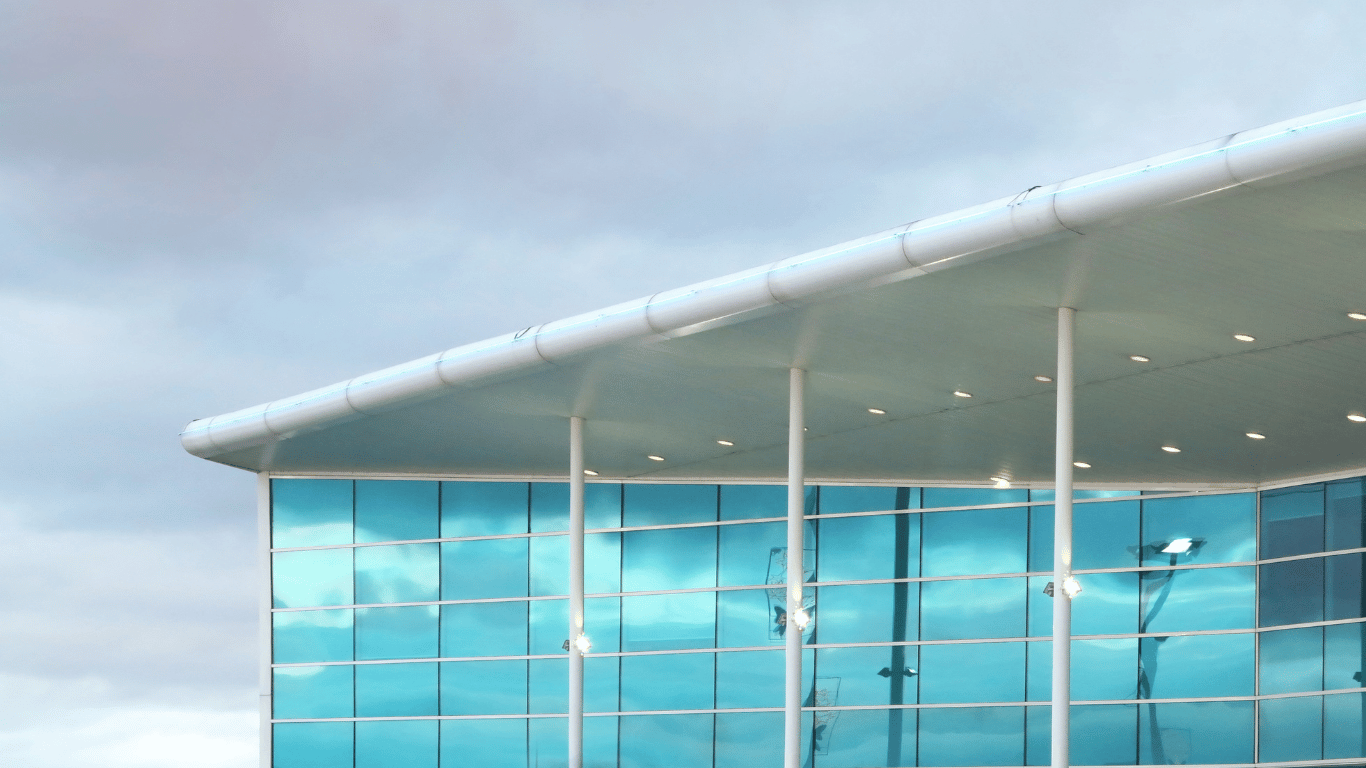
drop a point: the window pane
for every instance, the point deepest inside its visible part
(668, 622)
(550, 565)
(601, 684)
(1207, 598)
(1101, 669)
(750, 679)
(490, 568)
(548, 745)
(483, 687)
(747, 618)
(483, 509)
(310, 513)
(1344, 596)
(550, 507)
(852, 498)
(1107, 606)
(396, 690)
(311, 745)
(1200, 733)
(548, 686)
(974, 541)
(871, 675)
(308, 692)
(666, 504)
(866, 613)
(681, 558)
(859, 738)
(972, 736)
(1038, 726)
(666, 741)
(484, 743)
(1343, 660)
(602, 623)
(1101, 735)
(483, 629)
(1103, 536)
(313, 577)
(750, 740)
(602, 562)
(934, 498)
(1226, 524)
(1291, 729)
(1292, 521)
(548, 627)
(1291, 660)
(1344, 726)
(400, 573)
(1346, 513)
(742, 502)
(396, 744)
(876, 547)
(976, 608)
(1195, 666)
(406, 632)
(745, 551)
(670, 681)
(1292, 592)
(312, 636)
(396, 510)
(976, 672)
(1040, 607)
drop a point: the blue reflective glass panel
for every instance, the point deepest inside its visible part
(396, 690)
(601, 683)
(489, 568)
(1195, 666)
(600, 742)
(550, 507)
(859, 738)
(1101, 734)
(1104, 535)
(548, 743)
(1290, 660)
(312, 578)
(1345, 510)
(1198, 733)
(398, 573)
(972, 736)
(397, 510)
(749, 618)
(975, 608)
(1207, 598)
(312, 745)
(750, 679)
(745, 551)
(1291, 729)
(308, 692)
(667, 504)
(602, 562)
(744, 502)
(1343, 726)
(483, 629)
(548, 686)
(1040, 607)
(666, 741)
(873, 547)
(550, 565)
(548, 626)
(396, 744)
(483, 687)
(310, 513)
(680, 558)
(484, 743)
(1102, 670)
(749, 740)
(935, 498)
(1291, 592)
(866, 613)
(974, 541)
(1292, 521)
(975, 672)
(1343, 656)
(483, 509)
(1038, 736)
(1226, 527)
(667, 681)
(872, 674)
(312, 636)
(1343, 596)
(1108, 604)
(668, 622)
(835, 499)
(400, 632)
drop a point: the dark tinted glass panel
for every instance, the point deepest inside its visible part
(974, 541)
(749, 617)
(872, 675)
(746, 550)
(668, 622)
(312, 578)
(396, 744)
(312, 745)
(749, 740)
(972, 736)
(406, 632)
(399, 573)
(1344, 726)
(1346, 515)
(1224, 527)
(866, 613)
(483, 687)
(669, 681)
(977, 608)
(485, 743)
(1344, 656)
(1344, 597)
(484, 629)
(1194, 666)
(1291, 592)
(396, 510)
(667, 504)
(976, 672)
(1108, 604)
(666, 741)
(858, 738)
(396, 690)
(312, 636)
(1290, 660)
(310, 513)
(1199, 733)
(750, 679)
(307, 692)
(874, 547)
(1291, 729)
(1292, 521)
(1207, 598)
(490, 568)
(742, 502)
(550, 507)
(680, 558)
(548, 626)
(483, 509)
(851, 498)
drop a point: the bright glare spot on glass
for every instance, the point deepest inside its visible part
(1357, 315)
(801, 619)
(961, 393)
(1071, 587)
(653, 457)
(877, 411)
(1001, 481)
(1256, 435)
(726, 443)
(1140, 359)
(1171, 449)
(590, 473)
(1244, 337)
(582, 643)
(1355, 417)
(1043, 378)
(1178, 547)
(1081, 465)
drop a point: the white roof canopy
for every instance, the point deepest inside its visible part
(1261, 233)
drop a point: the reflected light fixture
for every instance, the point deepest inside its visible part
(1001, 481)
(1177, 547)
(877, 411)
(653, 457)
(1244, 337)
(801, 619)
(1140, 358)
(1081, 465)
(1043, 378)
(590, 473)
(1256, 435)
(1357, 315)
(726, 443)
(1357, 417)
(582, 643)
(961, 393)
(1071, 587)
(1171, 449)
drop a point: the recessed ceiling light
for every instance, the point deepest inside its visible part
(1043, 378)
(1171, 449)
(1244, 337)
(1140, 359)
(1355, 417)
(961, 393)
(726, 443)
(877, 411)
(1081, 465)
(590, 473)
(653, 457)
(1001, 481)
(1256, 435)
(1357, 315)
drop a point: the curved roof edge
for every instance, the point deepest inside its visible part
(1285, 151)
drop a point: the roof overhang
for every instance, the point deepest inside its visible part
(1261, 233)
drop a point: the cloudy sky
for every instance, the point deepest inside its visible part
(207, 204)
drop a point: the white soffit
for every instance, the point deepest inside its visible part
(1262, 233)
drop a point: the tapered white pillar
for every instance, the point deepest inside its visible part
(796, 525)
(576, 628)
(1062, 546)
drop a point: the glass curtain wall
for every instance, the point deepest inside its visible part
(423, 624)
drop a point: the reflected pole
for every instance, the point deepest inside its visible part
(576, 491)
(1062, 545)
(796, 522)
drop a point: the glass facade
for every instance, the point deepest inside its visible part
(423, 623)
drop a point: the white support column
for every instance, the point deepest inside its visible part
(796, 524)
(576, 628)
(264, 599)
(1062, 546)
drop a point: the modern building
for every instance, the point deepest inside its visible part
(573, 545)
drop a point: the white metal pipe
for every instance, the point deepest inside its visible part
(266, 628)
(796, 524)
(576, 627)
(1062, 545)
